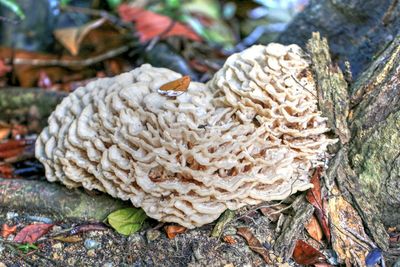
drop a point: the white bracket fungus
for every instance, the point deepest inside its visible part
(251, 134)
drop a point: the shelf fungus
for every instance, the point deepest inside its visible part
(251, 134)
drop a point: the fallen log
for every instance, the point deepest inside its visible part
(56, 199)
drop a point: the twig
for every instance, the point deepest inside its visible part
(74, 63)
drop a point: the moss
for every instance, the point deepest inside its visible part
(375, 151)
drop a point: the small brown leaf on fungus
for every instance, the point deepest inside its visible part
(176, 87)
(173, 230)
(254, 243)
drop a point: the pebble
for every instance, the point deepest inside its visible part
(11, 215)
(1, 249)
(91, 253)
(39, 219)
(2, 264)
(56, 256)
(91, 244)
(152, 235)
(108, 264)
(397, 263)
(57, 246)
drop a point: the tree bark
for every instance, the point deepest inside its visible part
(357, 30)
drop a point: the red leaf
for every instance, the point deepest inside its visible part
(314, 197)
(150, 25)
(254, 243)
(305, 254)
(7, 230)
(31, 233)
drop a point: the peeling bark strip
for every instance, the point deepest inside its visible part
(52, 197)
(333, 97)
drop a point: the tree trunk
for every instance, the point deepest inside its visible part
(357, 30)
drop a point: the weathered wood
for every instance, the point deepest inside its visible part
(293, 227)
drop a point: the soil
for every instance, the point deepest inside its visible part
(149, 247)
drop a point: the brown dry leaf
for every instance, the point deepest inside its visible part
(314, 229)
(69, 239)
(6, 170)
(173, 230)
(315, 198)
(345, 218)
(176, 87)
(4, 69)
(254, 243)
(4, 133)
(7, 230)
(229, 239)
(72, 37)
(306, 254)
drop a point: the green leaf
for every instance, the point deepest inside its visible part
(14, 7)
(127, 221)
(114, 3)
(209, 8)
(27, 247)
(64, 2)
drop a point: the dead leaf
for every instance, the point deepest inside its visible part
(4, 69)
(4, 133)
(11, 148)
(149, 24)
(314, 197)
(69, 239)
(7, 230)
(229, 239)
(31, 233)
(173, 230)
(314, 229)
(305, 254)
(72, 37)
(254, 243)
(346, 219)
(6, 170)
(176, 87)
